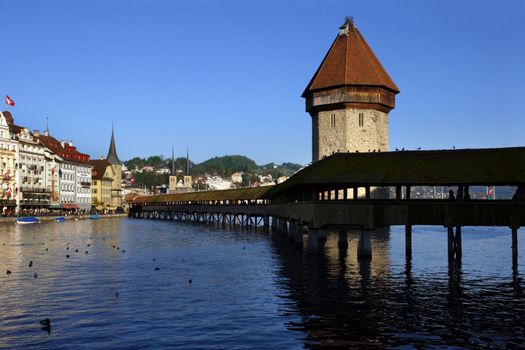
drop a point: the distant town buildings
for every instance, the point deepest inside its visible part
(236, 178)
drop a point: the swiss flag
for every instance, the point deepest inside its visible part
(9, 101)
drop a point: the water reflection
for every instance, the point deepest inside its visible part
(346, 302)
(249, 291)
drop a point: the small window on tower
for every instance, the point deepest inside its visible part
(332, 120)
(361, 119)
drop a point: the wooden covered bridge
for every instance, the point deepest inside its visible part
(365, 191)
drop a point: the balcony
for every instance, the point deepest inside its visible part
(27, 189)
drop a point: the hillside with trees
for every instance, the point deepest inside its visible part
(155, 170)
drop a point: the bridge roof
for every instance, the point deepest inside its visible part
(490, 166)
(252, 193)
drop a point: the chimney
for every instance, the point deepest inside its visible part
(36, 133)
(70, 143)
(63, 143)
(101, 157)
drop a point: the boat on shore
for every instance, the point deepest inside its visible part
(94, 217)
(27, 220)
(59, 219)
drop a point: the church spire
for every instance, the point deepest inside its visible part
(172, 161)
(187, 160)
(112, 157)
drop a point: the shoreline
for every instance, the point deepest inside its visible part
(51, 218)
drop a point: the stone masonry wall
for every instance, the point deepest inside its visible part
(346, 135)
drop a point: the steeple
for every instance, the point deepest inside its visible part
(187, 161)
(112, 157)
(172, 161)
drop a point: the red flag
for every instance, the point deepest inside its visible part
(490, 190)
(9, 101)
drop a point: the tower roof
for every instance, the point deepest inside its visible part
(112, 157)
(350, 61)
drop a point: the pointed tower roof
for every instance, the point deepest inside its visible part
(350, 61)
(112, 157)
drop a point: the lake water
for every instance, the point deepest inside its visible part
(249, 290)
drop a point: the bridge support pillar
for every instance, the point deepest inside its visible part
(299, 229)
(292, 227)
(514, 247)
(284, 227)
(457, 241)
(266, 222)
(364, 246)
(454, 244)
(316, 240)
(450, 235)
(408, 242)
(342, 242)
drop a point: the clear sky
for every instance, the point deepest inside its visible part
(225, 77)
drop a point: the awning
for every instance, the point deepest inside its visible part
(69, 206)
(55, 206)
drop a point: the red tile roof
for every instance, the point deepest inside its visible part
(69, 153)
(66, 152)
(350, 61)
(99, 168)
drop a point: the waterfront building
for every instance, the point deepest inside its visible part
(116, 165)
(349, 98)
(74, 173)
(8, 165)
(102, 184)
(32, 168)
(52, 178)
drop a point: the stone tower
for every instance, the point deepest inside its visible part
(116, 165)
(349, 98)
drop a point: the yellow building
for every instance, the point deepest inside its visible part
(102, 178)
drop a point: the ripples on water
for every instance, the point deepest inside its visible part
(249, 291)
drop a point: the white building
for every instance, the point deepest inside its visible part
(215, 183)
(8, 164)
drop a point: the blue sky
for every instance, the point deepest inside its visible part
(225, 77)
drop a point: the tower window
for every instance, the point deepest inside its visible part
(361, 119)
(332, 120)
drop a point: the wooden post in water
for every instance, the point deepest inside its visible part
(514, 247)
(408, 242)
(299, 234)
(364, 246)
(342, 243)
(458, 247)
(450, 231)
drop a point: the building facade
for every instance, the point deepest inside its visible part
(349, 98)
(74, 174)
(32, 180)
(8, 166)
(102, 184)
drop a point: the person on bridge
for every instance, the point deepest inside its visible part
(451, 196)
